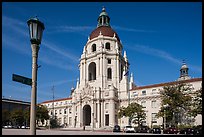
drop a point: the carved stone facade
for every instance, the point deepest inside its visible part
(103, 85)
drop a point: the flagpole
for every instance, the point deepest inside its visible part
(127, 74)
(129, 122)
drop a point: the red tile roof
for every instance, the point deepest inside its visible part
(167, 83)
(105, 30)
(61, 99)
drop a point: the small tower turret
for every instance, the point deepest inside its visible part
(103, 19)
(184, 72)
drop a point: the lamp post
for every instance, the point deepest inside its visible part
(36, 29)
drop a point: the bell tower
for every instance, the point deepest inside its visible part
(184, 72)
(102, 83)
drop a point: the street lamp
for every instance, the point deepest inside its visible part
(36, 29)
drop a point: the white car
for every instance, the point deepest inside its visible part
(129, 129)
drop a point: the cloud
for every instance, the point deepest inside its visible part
(162, 54)
(61, 59)
(14, 91)
(131, 29)
(56, 83)
(18, 26)
(75, 28)
(70, 29)
(62, 52)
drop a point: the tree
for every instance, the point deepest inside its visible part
(5, 117)
(17, 117)
(42, 113)
(134, 111)
(197, 103)
(178, 100)
(54, 123)
(26, 114)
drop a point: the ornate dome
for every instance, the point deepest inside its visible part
(105, 31)
(103, 27)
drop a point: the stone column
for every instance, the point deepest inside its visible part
(112, 113)
(98, 114)
(102, 114)
(104, 71)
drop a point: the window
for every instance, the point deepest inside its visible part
(109, 61)
(70, 120)
(135, 94)
(108, 46)
(154, 104)
(92, 71)
(60, 111)
(109, 73)
(144, 92)
(55, 112)
(143, 103)
(154, 119)
(154, 91)
(93, 47)
(60, 121)
(65, 111)
(70, 110)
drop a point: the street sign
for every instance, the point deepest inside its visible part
(22, 79)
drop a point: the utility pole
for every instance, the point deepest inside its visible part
(53, 97)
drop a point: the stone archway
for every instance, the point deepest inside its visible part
(86, 115)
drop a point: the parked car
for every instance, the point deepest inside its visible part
(171, 130)
(8, 126)
(155, 131)
(197, 130)
(142, 129)
(187, 131)
(128, 129)
(116, 128)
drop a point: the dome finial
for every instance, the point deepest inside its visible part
(103, 9)
(183, 61)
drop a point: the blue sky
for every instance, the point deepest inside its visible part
(156, 37)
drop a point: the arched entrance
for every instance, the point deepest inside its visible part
(86, 115)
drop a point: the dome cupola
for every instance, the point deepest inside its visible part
(103, 19)
(103, 27)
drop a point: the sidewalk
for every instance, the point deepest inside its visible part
(86, 129)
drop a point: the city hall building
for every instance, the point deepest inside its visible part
(104, 87)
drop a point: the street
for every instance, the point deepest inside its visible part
(67, 132)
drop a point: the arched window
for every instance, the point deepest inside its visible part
(108, 46)
(92, 71)
(121, 72)
(109, 73)
(93, 47)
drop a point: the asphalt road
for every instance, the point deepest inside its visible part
(66, 132)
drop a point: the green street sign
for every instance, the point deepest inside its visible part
(22, 79)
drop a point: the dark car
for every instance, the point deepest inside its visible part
(143, 129)
(155, 131)
(187, 131)
(116, 128)
(171, 130)
(197, 130)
